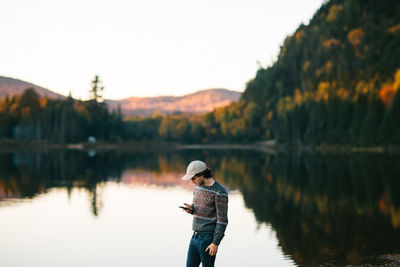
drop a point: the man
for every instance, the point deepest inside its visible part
(209, 209)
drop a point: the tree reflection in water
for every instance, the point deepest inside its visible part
(338, 209)
(341, 209)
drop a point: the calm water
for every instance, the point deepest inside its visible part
(73, 208)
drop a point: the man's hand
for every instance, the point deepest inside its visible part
(212, 249)
(190, 211)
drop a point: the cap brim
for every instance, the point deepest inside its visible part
(187, 177)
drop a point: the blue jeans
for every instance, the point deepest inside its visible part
(197, 251)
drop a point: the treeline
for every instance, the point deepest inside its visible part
(235, 123)
(31, 117)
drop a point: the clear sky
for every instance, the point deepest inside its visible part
(144, 48)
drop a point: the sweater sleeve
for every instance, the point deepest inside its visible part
(221, 203)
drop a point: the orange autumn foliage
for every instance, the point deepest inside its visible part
(331, 42)
(43, 102)
(386, 94)
(394, 29)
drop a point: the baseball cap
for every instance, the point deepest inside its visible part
(194, 168)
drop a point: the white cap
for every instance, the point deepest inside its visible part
(194, 168)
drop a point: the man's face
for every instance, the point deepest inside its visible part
(198, 180)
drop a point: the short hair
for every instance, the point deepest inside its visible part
(206, 173)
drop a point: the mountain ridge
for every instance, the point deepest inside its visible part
(11, 86)
(201, 101)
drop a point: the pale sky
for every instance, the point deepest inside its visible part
(144, 48)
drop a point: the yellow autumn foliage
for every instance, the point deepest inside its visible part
(396, 82)
(355, 36)
(334, 11)
(323, 91)
(395, 215)
(343, 93)
(306, 65)
(299, 35)
(394, 29)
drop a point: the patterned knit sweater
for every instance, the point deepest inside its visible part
(210, 204)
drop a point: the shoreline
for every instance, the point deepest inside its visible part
(266, 146)
(12, 145)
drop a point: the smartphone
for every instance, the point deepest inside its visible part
(186, 208)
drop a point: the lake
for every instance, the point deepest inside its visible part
(111, 208)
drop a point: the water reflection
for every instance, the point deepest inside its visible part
(336, 209)
(341, 209)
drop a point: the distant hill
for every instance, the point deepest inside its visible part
(10, 86)
(200, 102)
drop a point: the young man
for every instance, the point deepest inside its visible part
(210, 210)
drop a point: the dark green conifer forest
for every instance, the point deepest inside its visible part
(336, 80)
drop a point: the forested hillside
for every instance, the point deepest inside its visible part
(335, 81)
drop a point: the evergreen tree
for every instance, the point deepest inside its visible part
(390, 130)
(358, 119)
(96, 92)
(316, 129)
(373, 119)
